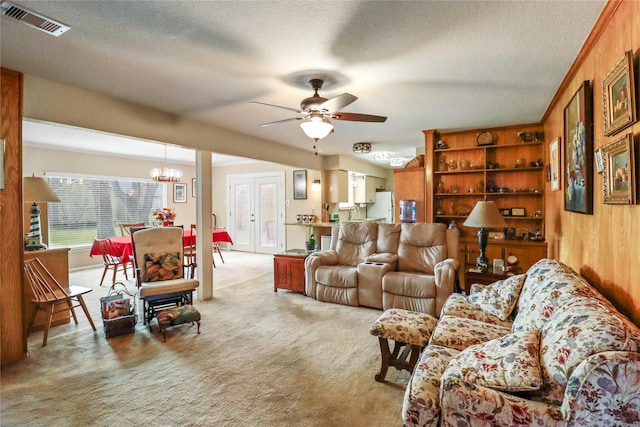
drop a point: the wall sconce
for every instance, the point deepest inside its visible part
(315, 184)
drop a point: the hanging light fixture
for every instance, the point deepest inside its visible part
(166, 174)
(316, 126)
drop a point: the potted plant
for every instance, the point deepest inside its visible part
(310, 244)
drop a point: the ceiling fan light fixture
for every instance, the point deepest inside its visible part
(316, 126)
(362, 147)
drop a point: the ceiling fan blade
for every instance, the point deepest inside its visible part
(355, 117)
(295, 110)
(337, 102)
(280, 121)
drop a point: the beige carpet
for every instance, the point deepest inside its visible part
(262, 359)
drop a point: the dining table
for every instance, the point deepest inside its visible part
(125, 248)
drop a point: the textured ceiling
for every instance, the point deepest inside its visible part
(423, 64)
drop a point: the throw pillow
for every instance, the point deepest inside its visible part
(162, 266)
(499, 298)
(509, 363)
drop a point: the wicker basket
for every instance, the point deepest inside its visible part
(122, 325)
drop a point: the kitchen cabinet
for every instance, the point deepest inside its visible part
(409, 184)
(337, 188)
(364, 189)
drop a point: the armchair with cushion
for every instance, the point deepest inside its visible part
(159, 260)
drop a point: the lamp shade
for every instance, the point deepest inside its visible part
(316, 127)
(485, 215)
(36, 189)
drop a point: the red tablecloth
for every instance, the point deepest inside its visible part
(125, 249)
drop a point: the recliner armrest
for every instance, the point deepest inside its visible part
(325, 257)
(386, 258)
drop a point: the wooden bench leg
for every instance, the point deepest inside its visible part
(403, 357)
(386, 355)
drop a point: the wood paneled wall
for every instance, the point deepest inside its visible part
(13, 341)
(603, 247)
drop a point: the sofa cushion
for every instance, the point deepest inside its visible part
(499, 298)
(356, 240)
(547, 294)
(421, 399)
(458, 306)
(421, 247)
(388, 238)
(580, 328)
(409, 284)
(509, 363)
(337, 276)
(458, 333)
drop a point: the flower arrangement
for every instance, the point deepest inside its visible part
(164, 214)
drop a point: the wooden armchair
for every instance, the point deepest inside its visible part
(159, 259)
(50, 296)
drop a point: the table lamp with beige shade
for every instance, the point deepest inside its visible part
(36, 189)
(483, 216)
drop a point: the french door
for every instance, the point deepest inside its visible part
(256, 211)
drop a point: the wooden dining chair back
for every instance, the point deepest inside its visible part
(216, 245)
(190, 252)
(112, 259)
(160, 278)
(51, 297)
(125, 229)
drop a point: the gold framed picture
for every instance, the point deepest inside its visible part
(618, 91)
(619, 171)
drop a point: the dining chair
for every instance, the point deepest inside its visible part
(160, 278)
(190, 252)
(125, 229)
(51, 297)
(112, 260)
(216, 245)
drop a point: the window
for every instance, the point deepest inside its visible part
(94, 207)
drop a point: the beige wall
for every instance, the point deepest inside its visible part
(38, 161)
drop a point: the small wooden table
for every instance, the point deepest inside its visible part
(288, 270)
(473, 274)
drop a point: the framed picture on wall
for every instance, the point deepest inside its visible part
(577, 157)
(618, 93)
(193, 187)
(554, 163)
(179, 193)
(300, 185)
(619, 171)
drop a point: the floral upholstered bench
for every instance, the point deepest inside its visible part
(177, 316)
(408, 329)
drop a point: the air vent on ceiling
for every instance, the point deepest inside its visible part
(32, 19)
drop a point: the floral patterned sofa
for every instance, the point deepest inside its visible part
(543, 348)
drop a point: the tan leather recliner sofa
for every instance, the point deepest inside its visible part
(409, 266)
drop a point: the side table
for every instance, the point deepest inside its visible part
(473, 274)
(288, 270)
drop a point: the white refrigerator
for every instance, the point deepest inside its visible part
(382, 208)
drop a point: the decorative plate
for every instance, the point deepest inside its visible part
(485, 138)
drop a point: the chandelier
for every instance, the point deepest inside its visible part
(166, 174)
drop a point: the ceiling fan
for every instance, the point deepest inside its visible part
(316, 111)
